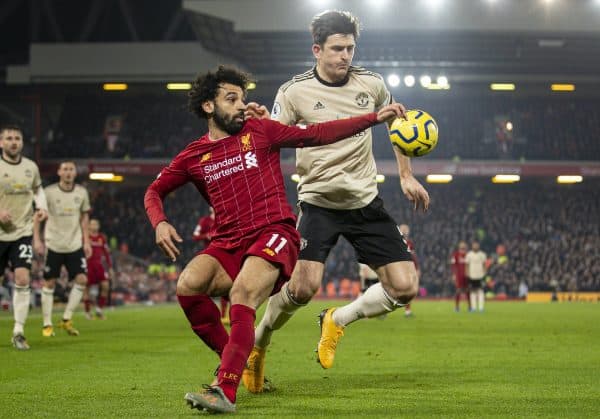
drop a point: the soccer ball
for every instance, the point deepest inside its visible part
(416, 136)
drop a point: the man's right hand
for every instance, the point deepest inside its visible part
(391, 112)
(5, 217)
(254, 110)
(165, 234)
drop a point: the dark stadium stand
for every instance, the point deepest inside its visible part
(470, 127)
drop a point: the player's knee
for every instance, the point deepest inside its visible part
(81, 279)
(241, 293)
(303, 291)
(185, 283)
(21, 277)
(405, 287)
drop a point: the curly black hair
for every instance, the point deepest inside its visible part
(206, 85)
(332, 22)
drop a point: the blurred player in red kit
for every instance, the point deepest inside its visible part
(203, 233)
(236, 168)
(458, 262)
(98, 285)
(405, 231)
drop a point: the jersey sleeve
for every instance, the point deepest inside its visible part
(316, 134)
(283, 111)
(37, 179)
(85, 204)
(169, 179)
(383, 97)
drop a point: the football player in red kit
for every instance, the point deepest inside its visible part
(236, 168)
(98, 280)
(458, 262)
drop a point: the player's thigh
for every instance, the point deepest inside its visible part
(204, 275)
(255, 282)
(319, 231)
(268, 263)
(375, 236)
(399, 279)
(76, 266)
(20, 254)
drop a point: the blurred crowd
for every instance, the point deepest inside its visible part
(537, 235)
(492, 127)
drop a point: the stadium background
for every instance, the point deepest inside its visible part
(58, 56)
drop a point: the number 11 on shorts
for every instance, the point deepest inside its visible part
(273, 240)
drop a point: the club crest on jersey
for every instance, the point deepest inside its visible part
(362, 99)
(205, 157)
(246, 140)
(318, 106)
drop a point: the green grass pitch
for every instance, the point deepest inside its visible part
(515, 360)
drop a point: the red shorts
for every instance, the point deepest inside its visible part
(276, 243)
(96, 274)
(461, 282)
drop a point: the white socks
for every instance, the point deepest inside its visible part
(74, 300)
(477, 299)
(47, 303)
(280, 308)
(374, 302)
(21, 298)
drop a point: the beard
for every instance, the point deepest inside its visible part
(227, 122)
(12, 154)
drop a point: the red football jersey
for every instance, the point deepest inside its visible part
(240, 175)
(411, 247)
(202, 232)
(459, 263)
(99, 250)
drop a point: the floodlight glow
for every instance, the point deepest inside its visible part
(295, 177)
(509, 126)
(562, 87)
(380, 178)
(506, 178)
(442, 80)
(393, 80)
(503, 86)
(425, 80)
(409, 80)
(569, 179)
(105, 177)
(439, 178)
(251, 86)
(114, 86)
(179, 86)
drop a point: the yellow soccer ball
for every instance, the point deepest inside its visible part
(416, 136)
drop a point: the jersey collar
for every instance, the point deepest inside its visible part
(329, 84)
(10, 162)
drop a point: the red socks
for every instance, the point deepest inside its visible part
(87, 304)
(237, 350)
(101, 302)
(205, 319)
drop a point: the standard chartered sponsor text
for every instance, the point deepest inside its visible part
(225, 167)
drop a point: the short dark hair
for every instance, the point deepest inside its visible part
(332, 22)
(206, 86)
(11, 127)
(67, 162)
